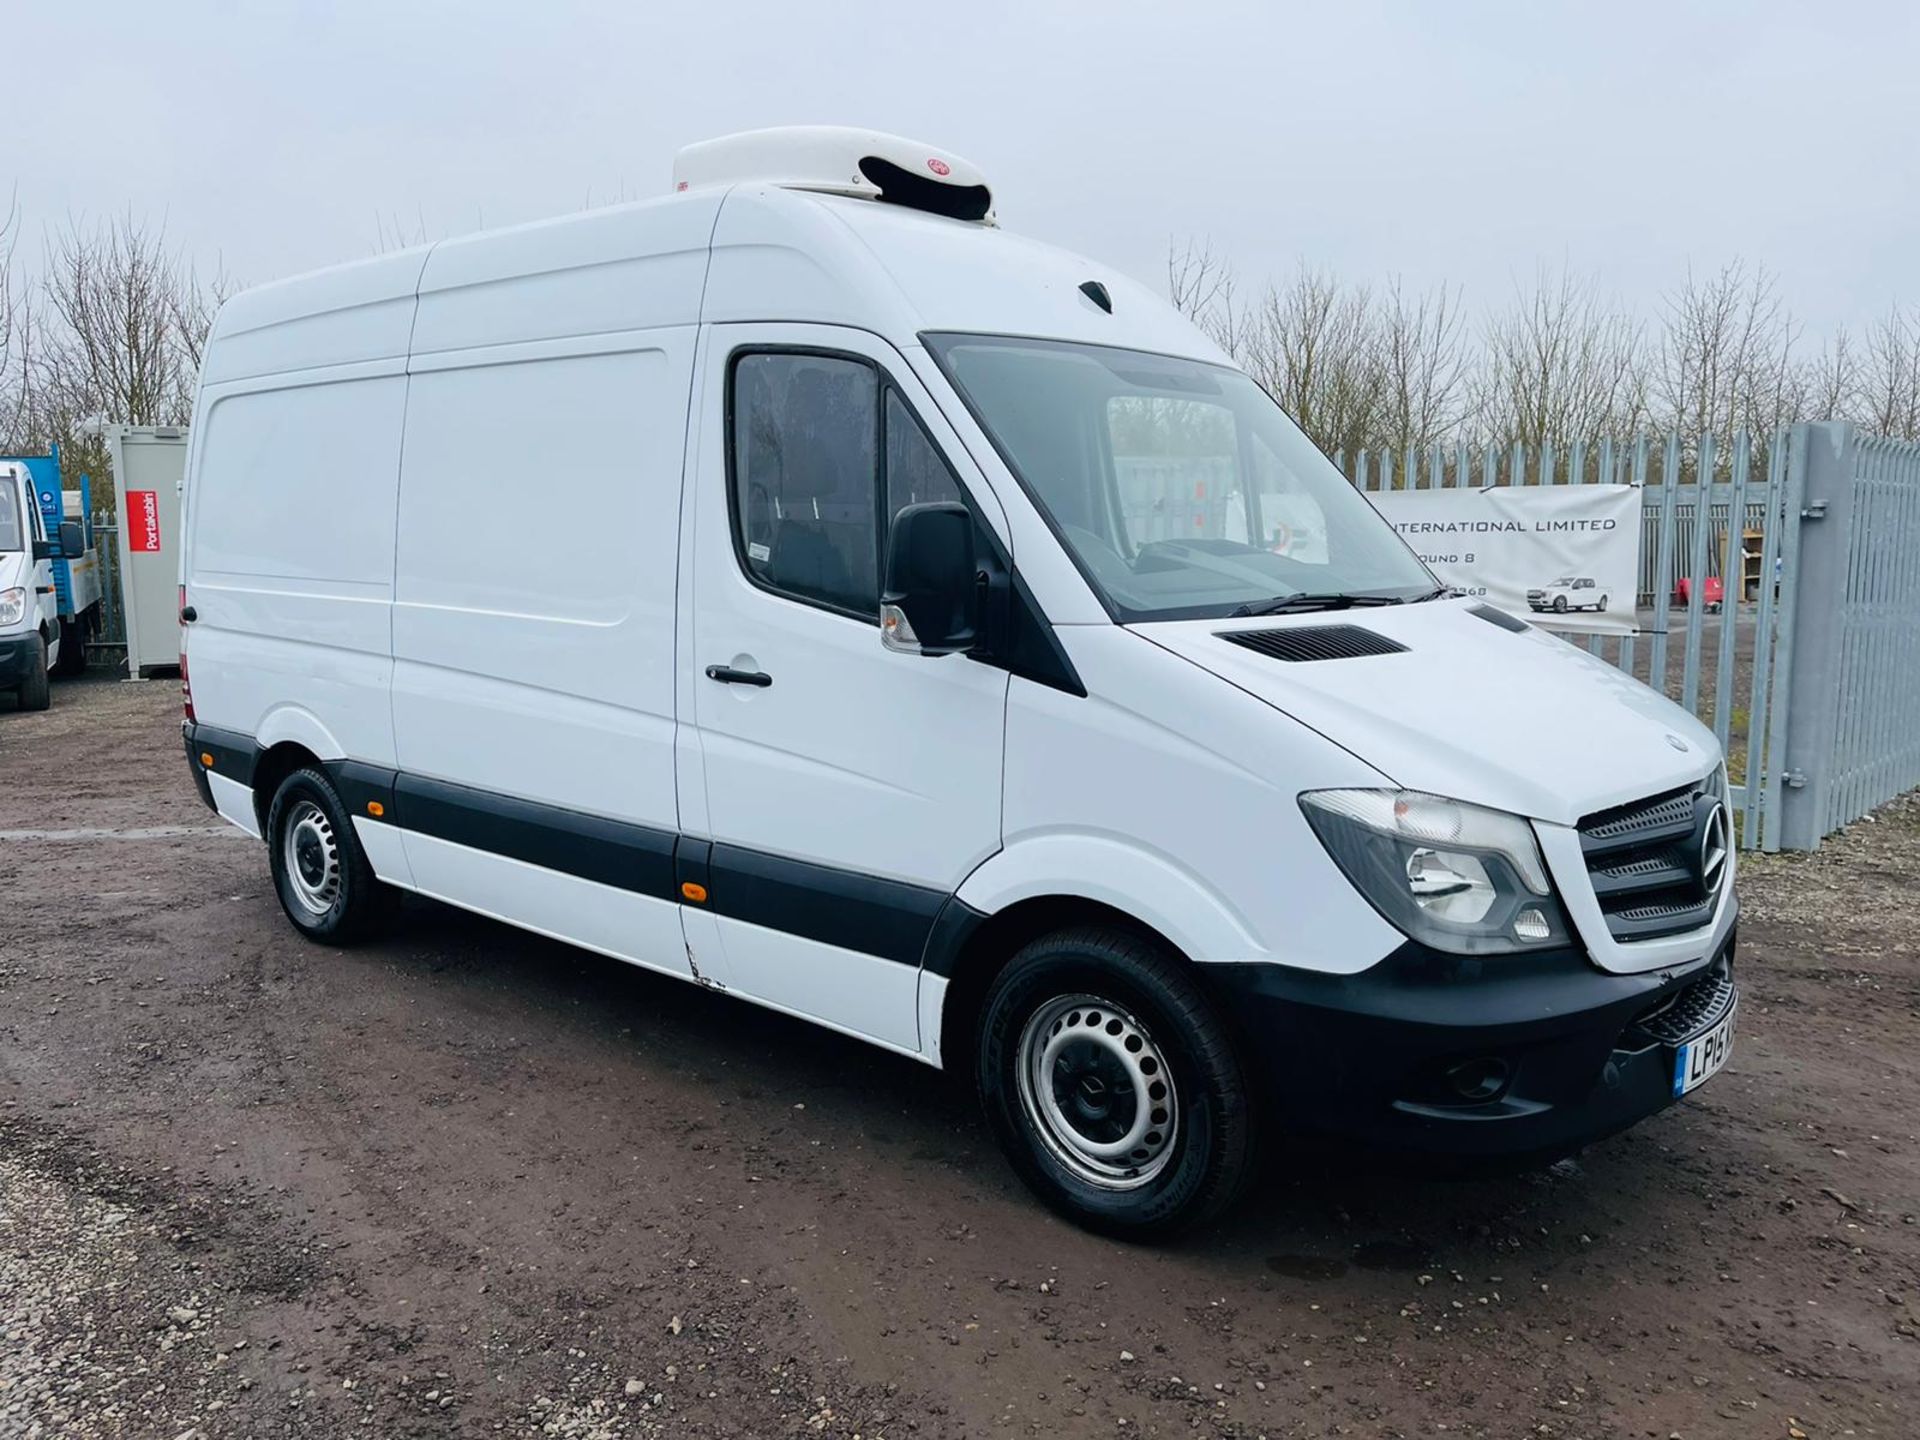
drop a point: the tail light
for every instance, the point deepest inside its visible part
(186, 685)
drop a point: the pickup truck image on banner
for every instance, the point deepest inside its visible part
(1565, 557)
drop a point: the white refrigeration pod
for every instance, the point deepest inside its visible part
(149, 462)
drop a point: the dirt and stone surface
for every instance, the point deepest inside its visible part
(469, 1182)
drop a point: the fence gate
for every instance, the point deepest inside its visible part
(1794, 634)
(1852, 662)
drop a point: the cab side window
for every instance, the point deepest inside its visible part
(805, 476)
(821, 461)
(917, 473)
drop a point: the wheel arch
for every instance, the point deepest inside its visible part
(287, 739)
(1052, 879)
(995, 939)
(271, 768)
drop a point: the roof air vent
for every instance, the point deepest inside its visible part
(838, 160)
(1314, 642)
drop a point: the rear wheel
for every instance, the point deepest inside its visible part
(73, 647)
(324, 881)
(1603, 604)
(35, 693)
(1112, 1086)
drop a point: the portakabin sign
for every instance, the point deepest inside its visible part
(143, 522)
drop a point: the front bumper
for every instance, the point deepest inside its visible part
(1509, 1057)
(18, 655)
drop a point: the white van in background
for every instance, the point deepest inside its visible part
(921, 660)
(30, 629)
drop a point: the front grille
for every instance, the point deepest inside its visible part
(1652, 862)
(1692, 1008)
(1643, 817)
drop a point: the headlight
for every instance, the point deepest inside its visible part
(1717, 783)
(1457, 877)
(13, 605)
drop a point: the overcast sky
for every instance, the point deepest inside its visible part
(1456, 140)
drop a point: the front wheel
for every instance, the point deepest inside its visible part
(35, 693)
(324, 881)
(1112, 1086)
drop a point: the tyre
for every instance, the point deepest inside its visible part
(321, 874)
(35, 693)
(73, 648)
(1559, 604)
(1603, 604)
(1112, 1086)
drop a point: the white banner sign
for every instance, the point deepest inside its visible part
(1564, 556)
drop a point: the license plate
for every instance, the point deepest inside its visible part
(1700, 1058)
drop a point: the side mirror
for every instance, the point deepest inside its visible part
(42, 550)
(931, 602)
(73, 539)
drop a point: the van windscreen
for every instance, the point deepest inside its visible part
(1180, 489)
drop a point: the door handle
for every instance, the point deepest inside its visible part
(727, 675)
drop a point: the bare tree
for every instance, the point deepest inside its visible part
(1421, 367)
(1201, 287)
(1726, 355)
(1314, 347)
(111, 290)
(1829, 383)
(1889, 391)
(16, 325)
(118, 326)
(191, 305)
(1560, 364)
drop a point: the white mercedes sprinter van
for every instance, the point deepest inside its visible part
(939, 639)
(30, 627)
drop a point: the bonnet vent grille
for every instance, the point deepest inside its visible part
(1501, 618)
(1314, 642)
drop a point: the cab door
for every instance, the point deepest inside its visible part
(843, 790)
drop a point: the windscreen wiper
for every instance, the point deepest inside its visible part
(1302, 602)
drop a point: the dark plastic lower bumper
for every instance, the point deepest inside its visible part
(1514, 1057)
(201, 785)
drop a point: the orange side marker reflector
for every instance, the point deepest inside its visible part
(696, 893)
(376, 809)
(206, 759)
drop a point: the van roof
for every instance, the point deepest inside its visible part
(753, 251)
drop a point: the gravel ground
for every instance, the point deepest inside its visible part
(469, 1182)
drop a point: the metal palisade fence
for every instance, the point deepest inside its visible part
(1795, 635)
(112, 634)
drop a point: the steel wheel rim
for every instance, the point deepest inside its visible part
(1098, 1091)
(312, 859)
